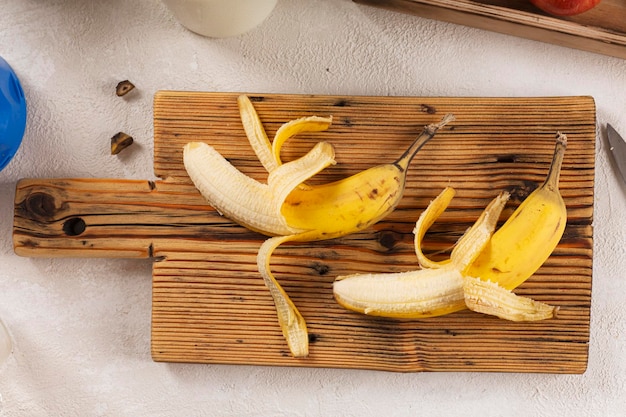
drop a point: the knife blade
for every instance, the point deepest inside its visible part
(618, 149)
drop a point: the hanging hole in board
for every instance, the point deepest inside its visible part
(74, 226)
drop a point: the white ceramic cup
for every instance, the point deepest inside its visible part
(220, 18)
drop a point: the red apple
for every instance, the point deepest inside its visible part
(565, 7)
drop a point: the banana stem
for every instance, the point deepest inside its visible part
(427, 134)
(552, 179)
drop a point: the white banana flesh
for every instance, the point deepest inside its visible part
(256, 205)
(412, 294)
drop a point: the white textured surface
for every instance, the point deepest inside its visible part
(81, 328)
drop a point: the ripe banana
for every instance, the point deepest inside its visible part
(524, 242)
(338, 208)
(287, 209)
(431, 292)
(502, 262)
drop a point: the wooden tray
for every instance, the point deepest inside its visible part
(601, 29)
(210, 304)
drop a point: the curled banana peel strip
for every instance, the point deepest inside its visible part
(268, 152)
(483, 267)
(285, 208)
(490, 298)
(290, 320)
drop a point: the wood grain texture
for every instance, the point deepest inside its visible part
(601, 29)
(211, 306)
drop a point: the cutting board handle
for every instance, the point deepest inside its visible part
(106, 218)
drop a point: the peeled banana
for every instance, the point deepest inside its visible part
(498, 262)
(423, 292)
(528, 237)
(338, 208)
(286, 208)
(431, 292)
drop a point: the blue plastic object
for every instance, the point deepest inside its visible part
(12, 113)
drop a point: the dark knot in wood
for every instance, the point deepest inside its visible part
(39, 205)
(321, 268)
(388, 239)
(426, 108)
(522, 190)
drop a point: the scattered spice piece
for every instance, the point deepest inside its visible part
(123, 88)
(119, 142)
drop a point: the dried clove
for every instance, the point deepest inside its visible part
(119, 142)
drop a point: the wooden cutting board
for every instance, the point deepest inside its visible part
(211, 306)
